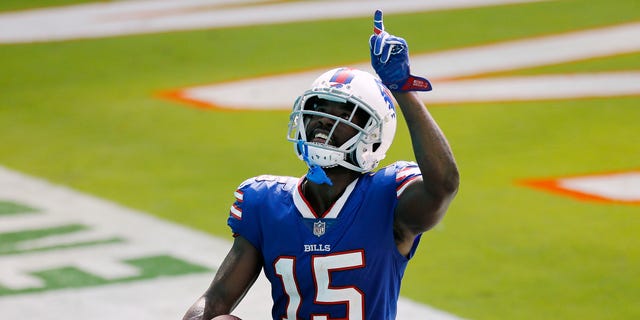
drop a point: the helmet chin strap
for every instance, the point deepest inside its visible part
(316, 174)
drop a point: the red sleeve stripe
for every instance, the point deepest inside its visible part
(236, 212)
(239, 195)
(400, 189)
(407, 172)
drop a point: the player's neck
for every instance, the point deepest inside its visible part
(322, 196)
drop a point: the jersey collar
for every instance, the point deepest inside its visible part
(305, 209)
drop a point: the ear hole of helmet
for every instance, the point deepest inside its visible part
(311, 103)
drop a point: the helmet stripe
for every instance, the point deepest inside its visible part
(343, 76)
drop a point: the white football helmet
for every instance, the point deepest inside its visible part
(364, 151)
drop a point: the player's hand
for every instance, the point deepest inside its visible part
(390, 60)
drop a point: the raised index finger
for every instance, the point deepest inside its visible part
(378, 26)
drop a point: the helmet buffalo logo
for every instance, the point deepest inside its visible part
(386, 94)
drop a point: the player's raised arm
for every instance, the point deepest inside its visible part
(424, 202)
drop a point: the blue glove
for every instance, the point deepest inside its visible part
(390, 60)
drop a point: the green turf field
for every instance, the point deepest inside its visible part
(86, 114)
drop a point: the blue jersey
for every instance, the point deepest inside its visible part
(339, 264)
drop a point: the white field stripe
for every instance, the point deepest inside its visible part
(589, 85)
(136, 17)
(617, 186)
(279, 92)
(14, 279)
(144, 235)
(31, 221)
(67, 239)
(533, 52)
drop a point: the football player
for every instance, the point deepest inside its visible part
(334, 243)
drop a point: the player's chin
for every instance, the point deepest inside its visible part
(226, 317)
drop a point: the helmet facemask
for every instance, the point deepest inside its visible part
(328, 153)
(365, 101)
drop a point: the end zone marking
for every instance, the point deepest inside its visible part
(618, 188)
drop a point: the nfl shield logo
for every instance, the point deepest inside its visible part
(319, 228)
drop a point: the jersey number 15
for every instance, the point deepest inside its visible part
(325, 294)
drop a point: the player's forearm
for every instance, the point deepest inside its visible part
(430, 146)
(205, 309)
(196, 311)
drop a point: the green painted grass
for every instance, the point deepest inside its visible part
(14, 242)
(13, 208)
(84, 114)
(150, 267)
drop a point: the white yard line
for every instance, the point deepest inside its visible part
(617, 187)
(544, 87)
(278, 92)
(137, 17)
(623, 187)
(531, 52)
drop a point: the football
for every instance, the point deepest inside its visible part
(226, 317)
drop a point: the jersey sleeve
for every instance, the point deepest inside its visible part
(406, 174)
(240, 220)
(257, 200)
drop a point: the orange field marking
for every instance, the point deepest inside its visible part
(617, 187)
